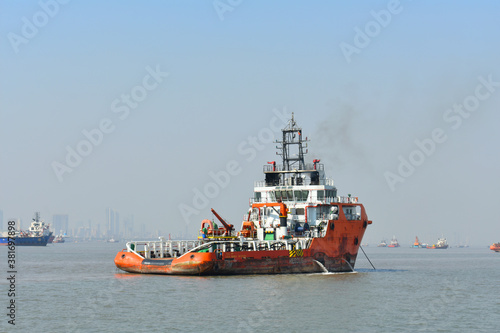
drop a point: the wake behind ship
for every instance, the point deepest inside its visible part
(296, 223)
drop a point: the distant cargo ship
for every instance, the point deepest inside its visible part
(382, 243)
(394, 242)
(296, 223)
(441, 244)
(38, 234)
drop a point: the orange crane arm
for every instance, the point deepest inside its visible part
(227, 226)
(283, 208)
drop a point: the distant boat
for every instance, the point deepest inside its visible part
(394, 242)
(383, 243)
(417, 243)
(58, 239)
(112, 240)
(38, 234)
(441, 244)
(495, 247)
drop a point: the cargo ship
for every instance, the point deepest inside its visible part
(382, 243)
(394, 242)
(441, 244)
(38, 234)
(296, 223)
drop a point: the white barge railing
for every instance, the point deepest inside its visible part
(162, 248)
(175, 249)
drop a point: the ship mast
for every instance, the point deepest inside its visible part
(292, 147)
(294, 171)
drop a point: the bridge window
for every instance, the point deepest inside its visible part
(330, 194)
(285, 195)
(301, 195)
(352, 212)
(321, 195)
(280, 195)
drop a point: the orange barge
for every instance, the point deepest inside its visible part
(296, 223)
(495, 247)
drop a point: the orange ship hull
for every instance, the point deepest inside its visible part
(254, 262)
(335, 252)
(495, 247)
(209, 265)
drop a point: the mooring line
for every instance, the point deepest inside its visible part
(367, 257)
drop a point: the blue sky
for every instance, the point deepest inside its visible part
(225, 78)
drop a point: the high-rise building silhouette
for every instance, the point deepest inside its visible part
(110, 222)
(113, 223)
(116, 231)
(60, 224)
(128, 226)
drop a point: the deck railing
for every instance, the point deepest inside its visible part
(307, 167)
(287, 182)
(162, 248)
(347, 199)
(174, 249)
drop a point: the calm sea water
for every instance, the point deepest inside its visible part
(75, 287)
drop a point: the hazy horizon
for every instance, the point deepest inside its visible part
(138, 106)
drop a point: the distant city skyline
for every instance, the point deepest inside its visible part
(110, 227)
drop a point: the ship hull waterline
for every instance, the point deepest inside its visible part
(208, 264)
(26, 241)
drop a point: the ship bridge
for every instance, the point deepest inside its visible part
(294, 180)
